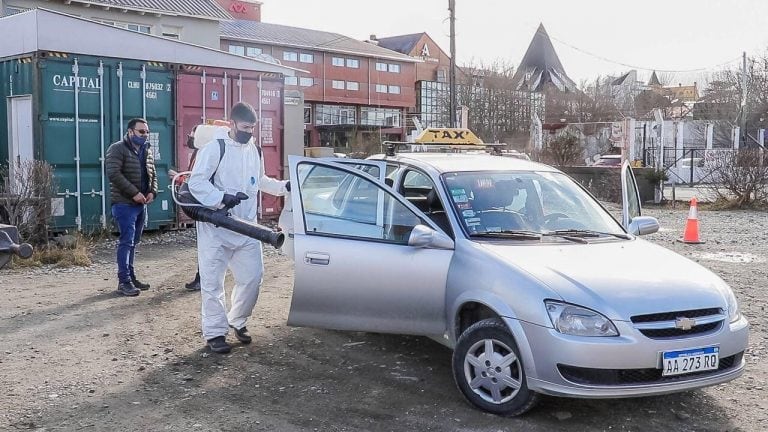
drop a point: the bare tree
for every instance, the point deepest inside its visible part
(666, 78)
(563, 150)
(742, 173)
(25, 199)
(498, 112)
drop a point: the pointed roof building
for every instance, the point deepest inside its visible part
(541, 66)
(654, 81)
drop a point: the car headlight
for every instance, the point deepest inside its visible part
(578, 321)
(734, 313)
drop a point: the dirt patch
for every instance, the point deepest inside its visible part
(75, 356)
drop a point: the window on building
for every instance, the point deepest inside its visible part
(291, 80)
(374, 116)
(394, 89)
(381, 88)
(139, 28)
(307, 58)
(307, 114)
(237, 49)
(253, 51)
(290, 56)
(306, 81)
(337, 61)
(352, 85)
(353, 63)
(171, 32)
(394, 68)
(381, 67)
(335, 115)
(442, 75)
(338, 84)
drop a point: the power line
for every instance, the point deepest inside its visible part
(603, 58)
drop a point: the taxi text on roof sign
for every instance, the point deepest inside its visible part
(454, 136)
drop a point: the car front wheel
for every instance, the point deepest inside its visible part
(488, 369)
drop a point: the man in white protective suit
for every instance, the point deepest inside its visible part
(223, 169)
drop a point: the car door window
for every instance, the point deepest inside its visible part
(353, 206)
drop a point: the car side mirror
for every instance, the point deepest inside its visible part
(642, 225)
(423, 236)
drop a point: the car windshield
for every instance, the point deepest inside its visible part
(526, 204)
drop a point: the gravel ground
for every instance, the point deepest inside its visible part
(73, 356)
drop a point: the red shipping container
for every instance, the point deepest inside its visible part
(207, 94)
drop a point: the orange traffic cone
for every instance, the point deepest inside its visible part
(691, 234)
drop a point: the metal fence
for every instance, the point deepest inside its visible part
(686, 165)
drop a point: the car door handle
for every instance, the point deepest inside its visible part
(317, 258)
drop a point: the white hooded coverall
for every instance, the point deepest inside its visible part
(241, 170)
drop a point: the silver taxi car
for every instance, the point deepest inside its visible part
(535, 286)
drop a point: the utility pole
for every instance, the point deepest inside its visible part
(743, 122)
(452, 72)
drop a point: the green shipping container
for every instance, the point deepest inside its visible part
(72, 107)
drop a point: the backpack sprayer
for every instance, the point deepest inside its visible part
(218, 217)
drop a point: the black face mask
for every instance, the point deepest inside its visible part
(191, 142)
(243, 137)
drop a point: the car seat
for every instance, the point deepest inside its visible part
(490, 202)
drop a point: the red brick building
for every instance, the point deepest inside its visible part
(355, 92)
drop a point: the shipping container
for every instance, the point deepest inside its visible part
(76, 106)
(70, 86)
(207, 94)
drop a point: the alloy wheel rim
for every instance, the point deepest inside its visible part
(492, 371)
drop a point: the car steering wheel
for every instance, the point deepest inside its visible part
(553, 217)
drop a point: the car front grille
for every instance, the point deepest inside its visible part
(680, 324)
(617, 377)
(671, 316)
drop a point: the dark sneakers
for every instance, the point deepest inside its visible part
(219, 345)
(140, 285)
(127, 289)
(242, 335)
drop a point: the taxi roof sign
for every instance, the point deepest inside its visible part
(450, 136)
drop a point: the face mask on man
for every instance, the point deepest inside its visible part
(242, 136)
(138, 140)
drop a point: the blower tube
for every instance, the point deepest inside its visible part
(221, 218)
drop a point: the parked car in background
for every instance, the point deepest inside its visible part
(514, 154)
(609, 160)
(513, 265)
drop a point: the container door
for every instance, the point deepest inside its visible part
(148, 93)
(71, 125)
(268, 102)
(20, 137)
(201, 97)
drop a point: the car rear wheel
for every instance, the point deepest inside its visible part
(488, 369)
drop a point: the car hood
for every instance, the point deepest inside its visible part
(618, 278)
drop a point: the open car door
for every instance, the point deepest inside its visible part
(365, 258)
(631, 209)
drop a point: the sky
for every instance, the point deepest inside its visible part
(592, 37)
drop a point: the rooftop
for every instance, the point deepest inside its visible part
(282, 35)
(541, 65)
(194, 8)
(403, 44)
(46, 30)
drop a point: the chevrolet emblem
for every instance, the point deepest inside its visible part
(685, 323)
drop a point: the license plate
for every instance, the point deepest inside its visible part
(689, 361)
